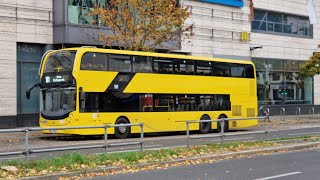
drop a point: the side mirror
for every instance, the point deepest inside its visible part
(28, 91)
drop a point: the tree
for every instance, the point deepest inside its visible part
(311, 67)
(142, 24)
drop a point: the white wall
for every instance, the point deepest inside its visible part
(217, 29)
(20, 21)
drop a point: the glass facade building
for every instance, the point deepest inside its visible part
(279, 82)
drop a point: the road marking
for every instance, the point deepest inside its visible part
(278, 176)
(315, 132)
(232, 139)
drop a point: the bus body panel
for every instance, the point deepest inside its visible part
(95, 81)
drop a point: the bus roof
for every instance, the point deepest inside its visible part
(165, 55)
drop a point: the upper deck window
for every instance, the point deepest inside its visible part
(94, 61)
(121, 63)
(60, 61)
(139, 64)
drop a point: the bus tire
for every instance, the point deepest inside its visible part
(226, 124)
(205, 127)
(122, 132)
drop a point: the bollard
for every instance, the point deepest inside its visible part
(26, 146)
(142, 136)
(188, 135)
(282, 113)
(222, 131)
(312, 109)
(298, 113)
(106, 138)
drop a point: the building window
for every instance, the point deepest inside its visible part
(280, 23)
(279, 82)
(78, 11)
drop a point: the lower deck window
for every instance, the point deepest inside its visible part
(119, 102)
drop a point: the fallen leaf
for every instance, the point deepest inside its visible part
(10, 168)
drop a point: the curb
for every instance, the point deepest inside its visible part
(217, 156)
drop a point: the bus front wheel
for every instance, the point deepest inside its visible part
(226, 124)
(205, 127)
(122, 132)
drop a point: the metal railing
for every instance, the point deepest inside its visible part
(222, 134)
(282, 113)
(27, 150)
(298, 113)
(312, 116)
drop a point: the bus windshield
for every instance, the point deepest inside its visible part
(60, 61)
(58, 102)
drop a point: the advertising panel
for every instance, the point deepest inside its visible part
(235, 3)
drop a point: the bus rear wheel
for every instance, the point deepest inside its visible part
(122, 132)
(205, 127)
(226, 124)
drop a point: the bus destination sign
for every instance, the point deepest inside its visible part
(56, 79)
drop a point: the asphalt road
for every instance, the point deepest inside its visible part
(150, 142)
(299, 165)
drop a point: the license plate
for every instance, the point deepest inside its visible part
(52, 131)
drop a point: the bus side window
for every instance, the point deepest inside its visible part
(163, 103)
(94, 61)
(237, 70)
(185, 103)
(221, 69)
(221, 102)
(249, 71)
(162, 65)
(203, 68)
(142, 64)
(120, 63)
(184, 67)
(90, 103)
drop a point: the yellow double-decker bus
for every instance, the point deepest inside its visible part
(90, 86)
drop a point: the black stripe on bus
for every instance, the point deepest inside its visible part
(120, 82)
